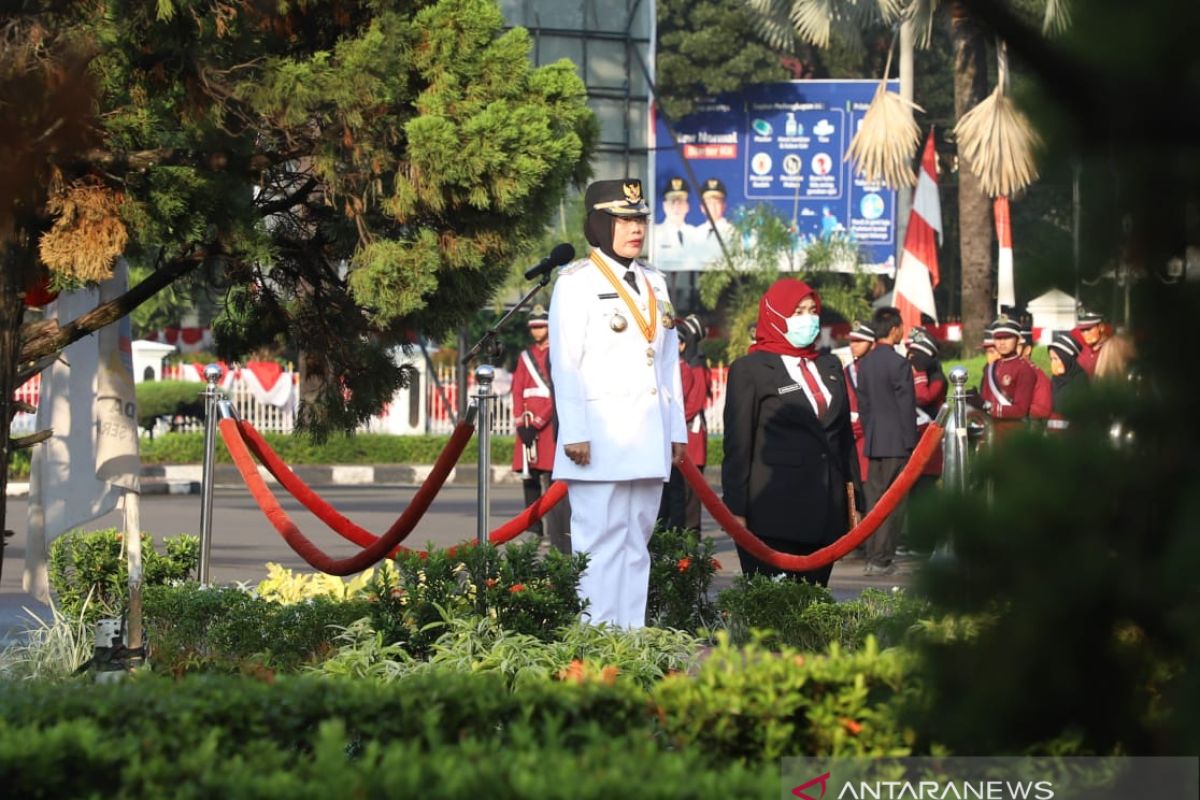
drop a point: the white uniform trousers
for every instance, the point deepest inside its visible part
(612, 523)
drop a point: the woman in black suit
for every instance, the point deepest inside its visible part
(789, 449)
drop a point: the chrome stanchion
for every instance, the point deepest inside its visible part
(484, 375)
(212, 374)
(956, 433)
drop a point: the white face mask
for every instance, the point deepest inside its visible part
(802, 330)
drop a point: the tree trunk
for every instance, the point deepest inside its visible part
(975, 224)
(12, 312)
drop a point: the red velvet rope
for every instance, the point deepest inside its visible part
(831, 552)
(251, 440)
(383, 546)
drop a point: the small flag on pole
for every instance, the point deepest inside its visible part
(918, 271)
(1006, 294)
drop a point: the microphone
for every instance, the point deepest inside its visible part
(561, 254)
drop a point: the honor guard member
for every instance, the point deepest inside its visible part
(1008, 382)
(1088, 332)
(533, 417)
(862, 339)
(989, 343)
(1043, 396)
(619, 399)
(1068, 378)
(675, 241)
(929, 386)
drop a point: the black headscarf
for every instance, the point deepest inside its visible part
(1070, 382)
(599, 228)
(928, 364)
(690, 337)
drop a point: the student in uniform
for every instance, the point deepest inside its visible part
(619, 400)
(681, 505)
(1068, 378)
(789, 450)
(1042, 402)
(888, 404)
(862, 339)
(929, 387)
(1089, 334)
(1009, 381)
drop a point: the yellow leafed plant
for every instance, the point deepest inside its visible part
(87, 235)
(285, 586)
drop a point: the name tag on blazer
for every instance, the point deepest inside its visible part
(607, 296)
(791, 387)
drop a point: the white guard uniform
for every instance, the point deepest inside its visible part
(622, 395)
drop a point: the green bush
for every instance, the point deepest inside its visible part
(681, 568)
(79, 759)
(177, 400)
(91, 568)
(190, 628)
(798, 614)
(476, 645)
(756, 704)
(362, 448)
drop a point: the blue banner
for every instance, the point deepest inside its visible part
(781, 144)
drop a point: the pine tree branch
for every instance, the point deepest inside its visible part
(52, 340)
(285, 203)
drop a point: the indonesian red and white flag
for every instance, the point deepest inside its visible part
(918, 272)
(1006, 292)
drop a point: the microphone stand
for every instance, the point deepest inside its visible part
(484, 375)
(489, 338)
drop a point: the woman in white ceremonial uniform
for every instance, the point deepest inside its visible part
(618, 398)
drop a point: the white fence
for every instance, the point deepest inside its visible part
(433, 417)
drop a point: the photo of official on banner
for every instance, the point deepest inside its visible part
(782, 145)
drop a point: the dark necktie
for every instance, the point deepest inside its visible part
(680, 235)
(818, 398)
(631, 279)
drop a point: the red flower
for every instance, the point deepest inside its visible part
(516, 587)
(683, 564)
(715, 564)
(421, 554)
(854, 728)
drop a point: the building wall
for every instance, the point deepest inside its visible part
(608, 41)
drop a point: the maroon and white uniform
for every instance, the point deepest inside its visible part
(1008, 385)
(532, 395)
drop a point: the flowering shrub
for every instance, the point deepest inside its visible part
(520, 591)
(283, 585)
(681, 568)
(86, 564)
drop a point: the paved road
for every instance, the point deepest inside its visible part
(243, 540)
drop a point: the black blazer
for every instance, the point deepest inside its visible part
(785, 470)
(887, 404)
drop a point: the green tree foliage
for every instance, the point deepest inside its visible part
(705, 48)
(352, 169)
(1078, 555)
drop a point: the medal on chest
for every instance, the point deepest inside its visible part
(1006, 381)
(618, 322)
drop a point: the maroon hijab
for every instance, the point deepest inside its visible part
(777, 304)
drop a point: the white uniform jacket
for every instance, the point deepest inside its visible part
(612, 388)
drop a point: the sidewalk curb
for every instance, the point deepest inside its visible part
(159, 479)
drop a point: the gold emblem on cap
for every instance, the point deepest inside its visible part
(633, 192)
(677, 184)
(618, 323)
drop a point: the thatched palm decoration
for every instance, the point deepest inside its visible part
(997, 140)
(882, 148)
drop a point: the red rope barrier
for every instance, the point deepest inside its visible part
(382, 546)
(325, 512)
(254, 442)
(831, 552)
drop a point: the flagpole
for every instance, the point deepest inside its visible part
(133, 544)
